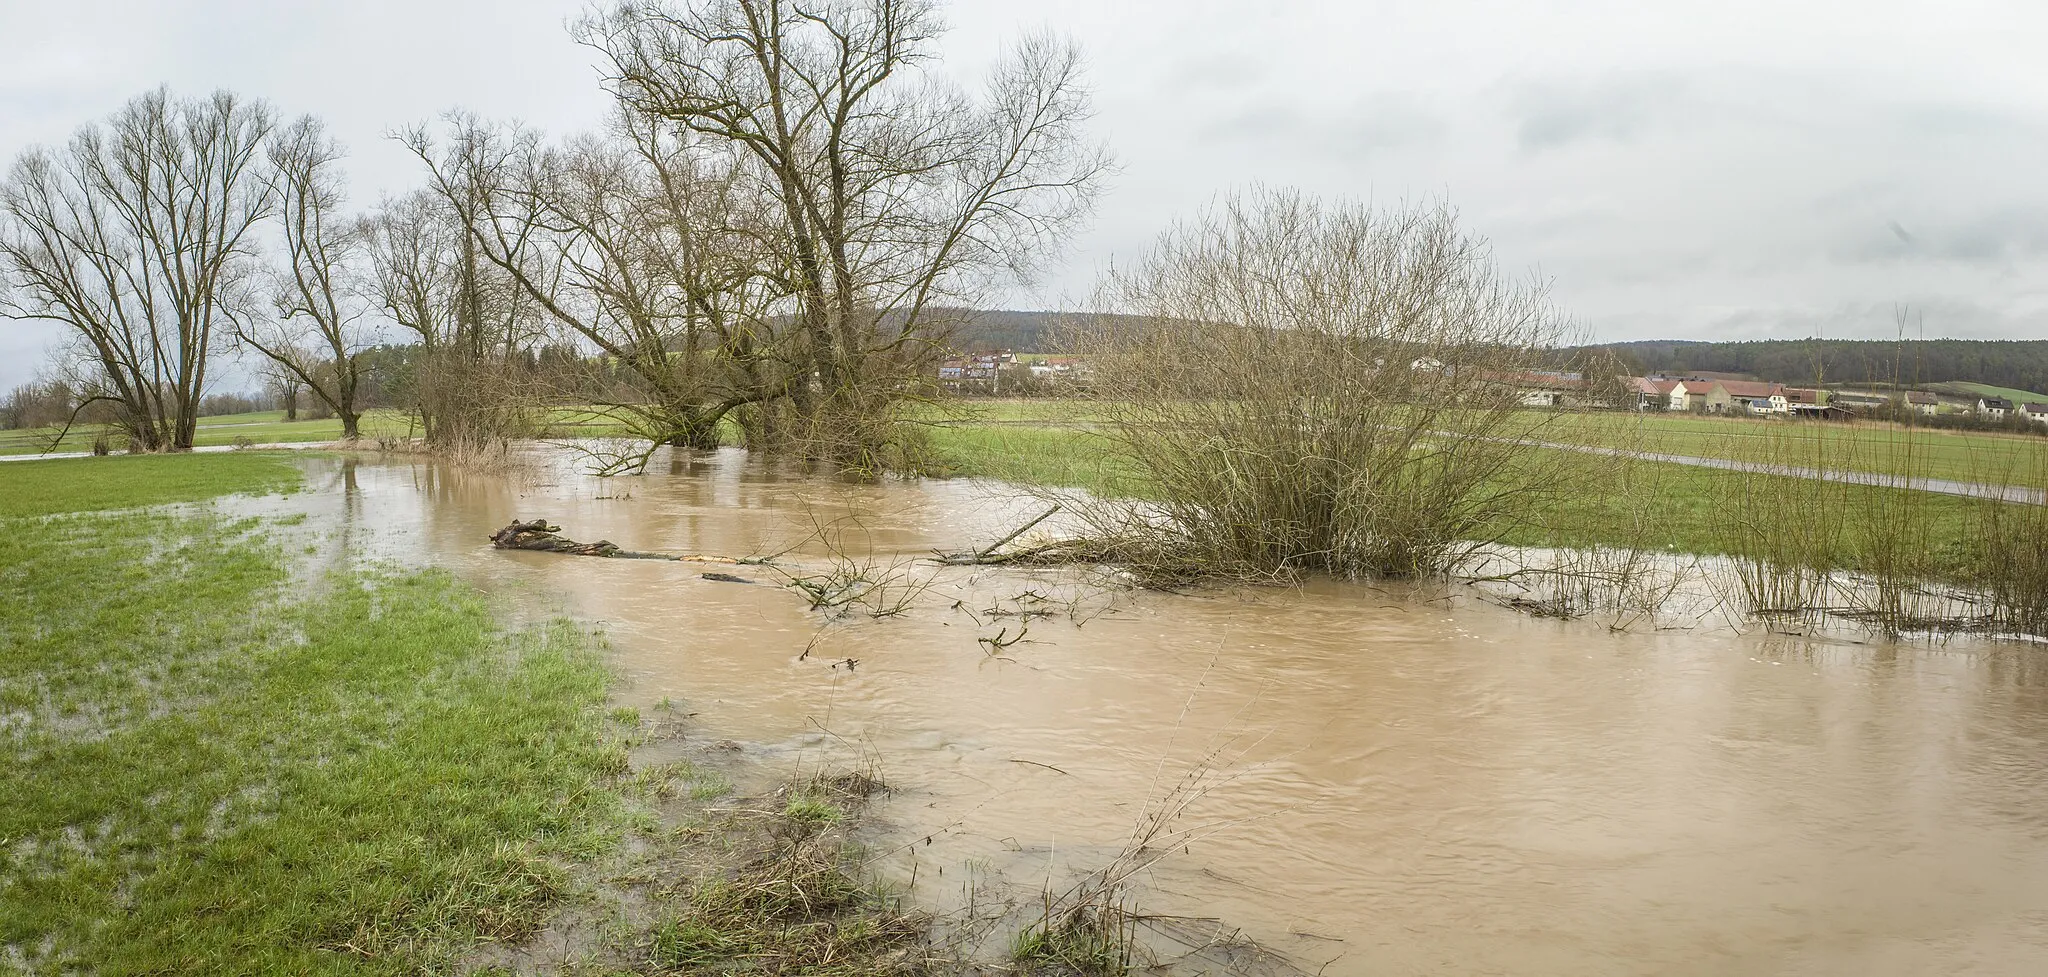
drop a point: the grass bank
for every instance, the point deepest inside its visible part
(208, 776)
(217, 765)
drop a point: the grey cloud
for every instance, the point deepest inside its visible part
(1995, 238)
(1385, 121)
(1215, 70)
(1550, 115)
(1369, 125)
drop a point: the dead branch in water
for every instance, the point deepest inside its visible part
(538, 536)
(985, 555)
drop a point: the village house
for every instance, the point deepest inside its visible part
(1678, 396)
(1544, 388)
(1859, 399)
(1995, 408)
(1745, 396)
(2037, 413)
(1650, 394)
(1812, 403)
(1055, 368)
(986, 367)
(1923, 402)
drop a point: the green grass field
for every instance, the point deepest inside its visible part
(263, 427)
(1865, 446)
(1680, 508)
(270, 427)
(2010, 393)
(212, 768)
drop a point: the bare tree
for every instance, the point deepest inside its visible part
(412, 242)
(284, 385)
(136, 236)
(1320, 386)
(891, 190)
(641, 248)
(317, 340)
(474, 324)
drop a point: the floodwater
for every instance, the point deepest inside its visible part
(1377, 780)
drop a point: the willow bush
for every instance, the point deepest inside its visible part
(1323, 386)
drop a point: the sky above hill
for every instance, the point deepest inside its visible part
(1729, 169)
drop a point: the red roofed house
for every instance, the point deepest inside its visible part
(1746, 396)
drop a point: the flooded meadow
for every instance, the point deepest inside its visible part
(1360, 778)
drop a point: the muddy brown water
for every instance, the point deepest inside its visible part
(1399, 780)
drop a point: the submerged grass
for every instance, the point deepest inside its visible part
(209, 770)
(205, 777)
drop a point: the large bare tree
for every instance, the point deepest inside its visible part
(642, 249)
(318, 337)
(892, 191)
(136, 236)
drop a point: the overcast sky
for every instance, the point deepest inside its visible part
(1711, 170)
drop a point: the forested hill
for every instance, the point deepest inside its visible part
(987, 330)
(2021, 364)
(2006, 363)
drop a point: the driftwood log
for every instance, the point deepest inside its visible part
(540, 537)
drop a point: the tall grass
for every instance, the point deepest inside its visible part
(2008, 555)
(1790, 529)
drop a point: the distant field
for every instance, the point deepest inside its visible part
(1882, 448)
(2009, 393)
(270, 427)
(1678, 508)
(1864, 446)
(261, 427)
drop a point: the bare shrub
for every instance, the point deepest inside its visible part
(1317, 385)
(856, 578)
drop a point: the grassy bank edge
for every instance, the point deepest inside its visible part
(214, 771)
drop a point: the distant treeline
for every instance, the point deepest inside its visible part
(2005, 363)
(2021, 364)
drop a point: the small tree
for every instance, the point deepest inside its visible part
(471, 322)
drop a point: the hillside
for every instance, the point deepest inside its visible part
(981, 330)
(2009, 393)
(2018, 364)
